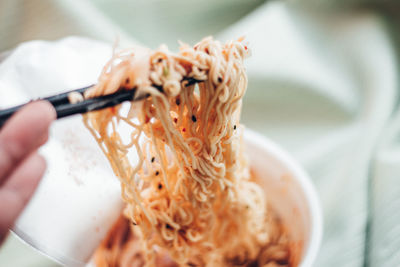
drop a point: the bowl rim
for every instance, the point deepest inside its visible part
(305, 183)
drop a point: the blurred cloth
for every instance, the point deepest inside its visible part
(324, 85)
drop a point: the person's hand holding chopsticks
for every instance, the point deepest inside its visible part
(21, 167)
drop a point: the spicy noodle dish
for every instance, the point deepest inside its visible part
(191, 198)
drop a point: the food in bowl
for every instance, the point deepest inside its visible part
(191, 198)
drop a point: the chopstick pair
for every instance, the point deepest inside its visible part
(64, 108)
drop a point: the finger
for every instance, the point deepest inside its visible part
(18, 189)
(24, 133)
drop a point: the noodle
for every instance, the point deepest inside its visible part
(190, 195)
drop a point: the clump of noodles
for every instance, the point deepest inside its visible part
(190, 193)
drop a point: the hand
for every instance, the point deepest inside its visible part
(21, 167)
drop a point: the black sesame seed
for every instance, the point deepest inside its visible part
(160, 186)
(282, 262)
(157, 173)
(234, 127)
(168, 226)
(178, 101)
(194, 119)
(152, 159)
(220, 79)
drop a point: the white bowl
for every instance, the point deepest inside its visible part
(287, 186)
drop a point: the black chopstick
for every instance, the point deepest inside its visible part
(96, 103)
(64, 108)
